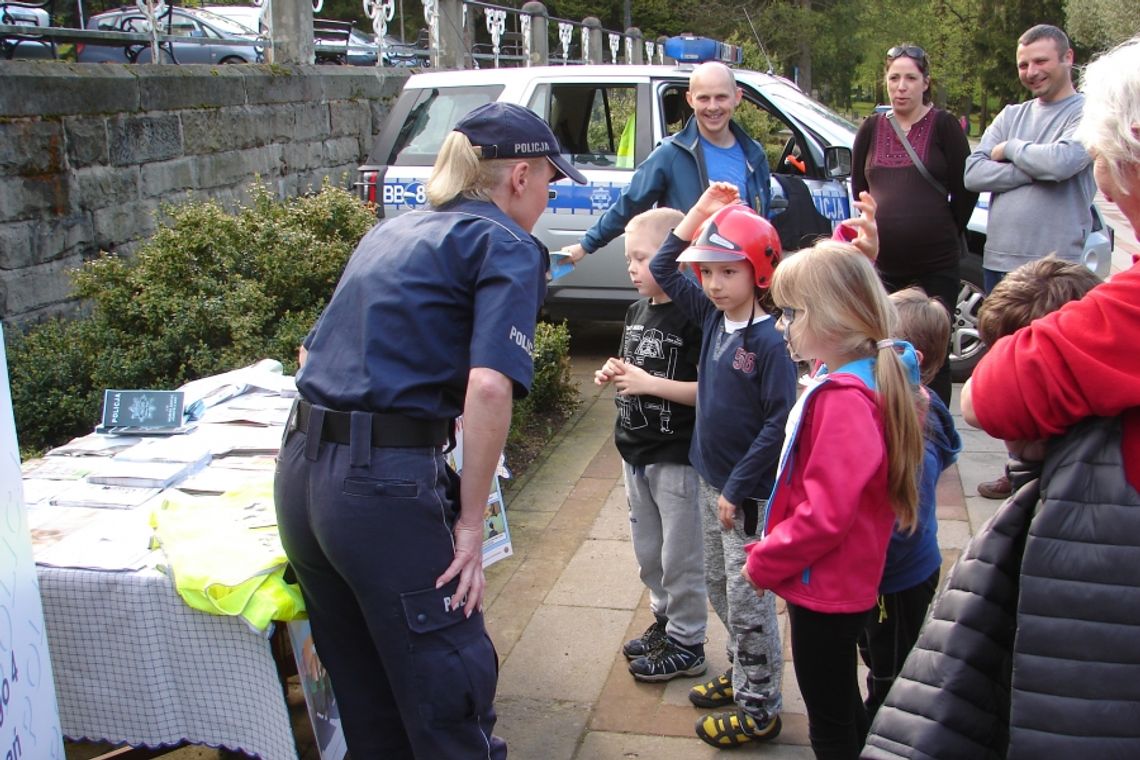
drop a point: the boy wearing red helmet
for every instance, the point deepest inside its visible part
(746, 386)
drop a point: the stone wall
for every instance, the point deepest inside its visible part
(89, 152)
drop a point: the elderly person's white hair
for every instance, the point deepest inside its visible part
(1110, 126)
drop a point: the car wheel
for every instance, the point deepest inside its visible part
(232, 59)
(966, 347)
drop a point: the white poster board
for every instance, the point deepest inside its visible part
(496, 533)
(29, 717)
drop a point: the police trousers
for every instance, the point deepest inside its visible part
(367, 531)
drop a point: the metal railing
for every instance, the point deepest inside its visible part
(459, 34)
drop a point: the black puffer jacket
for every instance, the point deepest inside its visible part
(1062, 677)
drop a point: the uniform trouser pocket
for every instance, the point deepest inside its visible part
(455, 663)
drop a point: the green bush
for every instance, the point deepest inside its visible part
(211, 291)
(552, 395)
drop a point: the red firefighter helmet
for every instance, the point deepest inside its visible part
(736, 232)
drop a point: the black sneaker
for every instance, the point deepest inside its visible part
(669, 661)
(653, 638)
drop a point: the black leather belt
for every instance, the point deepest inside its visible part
(388, 430)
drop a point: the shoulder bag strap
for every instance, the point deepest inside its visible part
(914, 156)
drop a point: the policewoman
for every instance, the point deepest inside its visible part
(433, 317)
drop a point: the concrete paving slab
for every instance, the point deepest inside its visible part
(601, 574)
(613, 519)
(978, 467)
(541, 728)
(980, 510)
(512, 609)
(953, 534)
(564, 653)
(600, 745)
(978, 441)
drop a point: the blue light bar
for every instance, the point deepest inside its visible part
(687, 48)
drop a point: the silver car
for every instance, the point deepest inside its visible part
(229, 41)
(608, 119)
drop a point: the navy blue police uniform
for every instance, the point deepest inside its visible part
(366, 504)
(368, 526)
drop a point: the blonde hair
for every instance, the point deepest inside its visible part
(924, 322)
(656, 223)
(1110, 124)
(459, 171)
(846, 306)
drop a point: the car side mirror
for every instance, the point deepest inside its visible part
(837, 161)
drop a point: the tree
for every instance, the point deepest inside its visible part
(1101, 24)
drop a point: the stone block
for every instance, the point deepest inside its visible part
(50, 88)
(31, 146)
(218, 129)
(33, 197)
(281, 84)
(311, 121)
(301, 156)
(238, 166)
(25, 244)
(122, 225)
(170, 88)
(349, 118)
(35, 287)
(160, 180)
(100, 186)
(342, 151)
(86, 140)
(150, 137)
(16, 244)
(357, 83)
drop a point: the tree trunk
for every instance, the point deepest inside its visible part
(805, 53)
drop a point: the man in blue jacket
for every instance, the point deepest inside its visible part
(711, 147)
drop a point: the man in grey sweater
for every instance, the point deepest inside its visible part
(1040, 178)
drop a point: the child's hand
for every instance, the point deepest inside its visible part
(752, 583)
(867, 237)
(727, 512)
(633, 381)
(609, 370)
(713, 199)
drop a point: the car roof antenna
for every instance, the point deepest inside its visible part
(771, 69)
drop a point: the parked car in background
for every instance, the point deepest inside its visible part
(235, 43)
(593, 110)
(25, 46)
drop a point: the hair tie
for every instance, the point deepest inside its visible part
(885, 343)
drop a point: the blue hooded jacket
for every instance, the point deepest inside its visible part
(674, 176)
(913, 558)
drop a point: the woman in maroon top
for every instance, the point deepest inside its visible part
(919, 227)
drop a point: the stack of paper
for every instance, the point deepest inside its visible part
(86, 494)
(143, 474)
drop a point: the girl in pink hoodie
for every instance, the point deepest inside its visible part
(848, 471)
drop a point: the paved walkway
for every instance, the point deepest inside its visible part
(560, 608)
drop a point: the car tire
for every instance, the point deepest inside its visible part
(232, 59)
(966, 347)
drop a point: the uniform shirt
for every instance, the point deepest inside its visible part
(425, 297)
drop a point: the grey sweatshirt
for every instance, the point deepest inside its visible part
(1042, 192)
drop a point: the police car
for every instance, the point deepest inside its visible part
(608, 118)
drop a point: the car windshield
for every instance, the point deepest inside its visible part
(430, 119)
(226, 26)
(832, 127)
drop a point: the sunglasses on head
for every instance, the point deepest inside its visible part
(910, 51)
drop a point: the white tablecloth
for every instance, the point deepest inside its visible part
(133, 663)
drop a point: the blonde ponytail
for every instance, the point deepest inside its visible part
(458, 171)
(898, 403)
